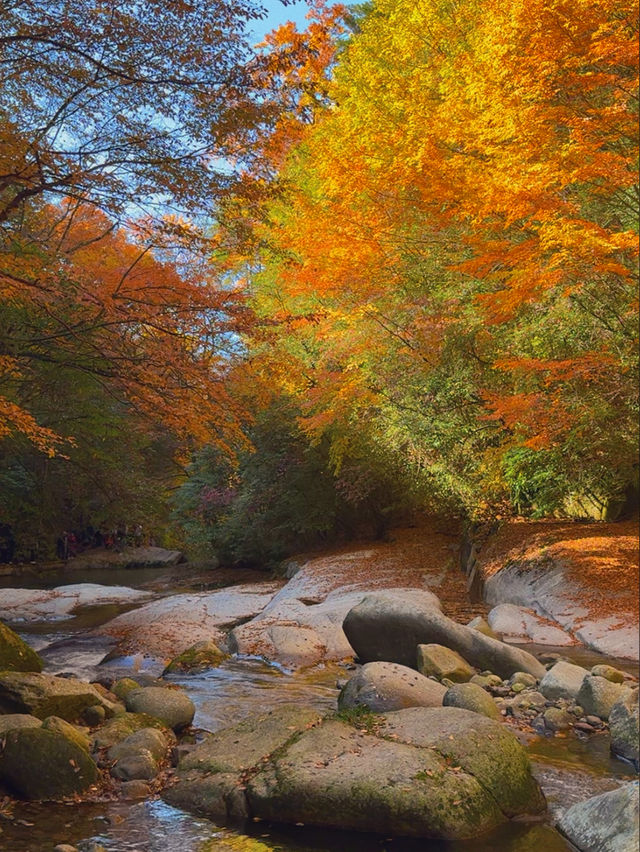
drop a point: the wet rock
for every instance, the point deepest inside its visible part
(132, 790)
(594, 721)
(521, 624)
(609, 673)
(584, 727)
(605, 823)
(563, 680)
(470, 696)
(122, 726)
(46, 765)
(388, 686)
(385, 628)
(172, 706)
(14, 721)
(598, 695)
(41, 604)
(432, 772)
(15, 654)
(203, 655)
(557, 719)
(440, 662)
(623, 724)
(54, 723)
(44, 695)
(478, 623)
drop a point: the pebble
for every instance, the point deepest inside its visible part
(585, 727)
(64, 847)
(594, 721)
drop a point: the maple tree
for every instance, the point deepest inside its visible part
(454, 262)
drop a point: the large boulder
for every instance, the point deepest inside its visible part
(171, 706)
(605, 823)
(425, 772)
(388, 686)
(209, 777)
(598, 695)
(13, 721)
(470, 696)
(45, 695)
(383, 627)
(563, 681)
(44, 764)
(15, 654)
(623, 724)
(441, 662)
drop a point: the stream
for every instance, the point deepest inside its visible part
(568, 768)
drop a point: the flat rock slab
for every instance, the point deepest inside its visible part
(382, 627)
(165, 628)
(44, 695)
(548, 589)
(520, 624)
(129, 557)
(28, 605)
(300, 627)
(419, 772)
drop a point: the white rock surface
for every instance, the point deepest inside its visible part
(28, 605)
(519, 624)
(167, 627)
(549, 592)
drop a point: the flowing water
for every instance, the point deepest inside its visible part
(569, 769)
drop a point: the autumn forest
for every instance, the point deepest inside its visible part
(254, 298)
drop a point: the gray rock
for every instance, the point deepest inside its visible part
(171, 706)
(522, 624)
(149, 739)
(132, 790)
(44, 695)
(440, 662)
(40, 764)
(470, 696)
(623, 724)
(136, 766)
(605, 823)
(388, 686)
(383, 628)
(122, 726)
(597, 695)
(14, 721)
(563, 680)
(203, 655)
(609, 673)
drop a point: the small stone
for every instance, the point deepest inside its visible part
(447, 682)
(523, 678)
(594, 721)
(138, 765)
(576, 711)
(487, 680)
(585, 727)
(557, 720)
(609, 673)
(123, 686)
(538, 725)
(65, 847)
(93, 716)
(470, 696)
(518, 687)
(136, 789)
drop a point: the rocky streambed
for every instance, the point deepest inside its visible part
(235, 718)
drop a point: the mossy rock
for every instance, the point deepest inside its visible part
(199, 657)
(45, 695)
(121, 688)
(241, 843)
(54, 723)
(471, 696)
(41, 764)
(172, 706)
(15, 654)
(119, 728)
(14, 721)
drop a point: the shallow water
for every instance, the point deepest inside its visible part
(568, 768)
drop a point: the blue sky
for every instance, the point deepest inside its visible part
(278, 14)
